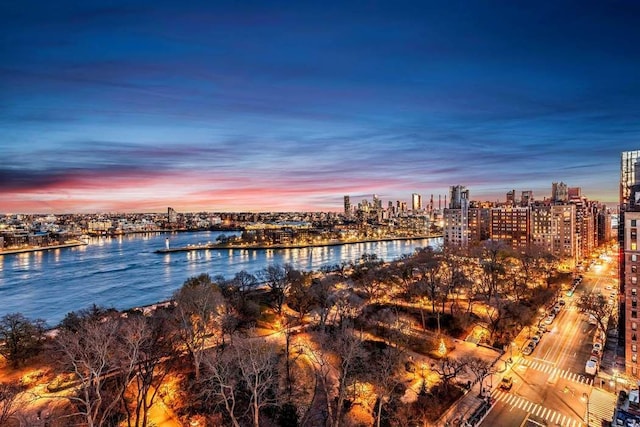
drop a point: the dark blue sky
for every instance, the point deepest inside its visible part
(290, 105)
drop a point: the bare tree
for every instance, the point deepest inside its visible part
(257, 365)
(221, 383)
(147, 346)
(447, 369)
(480, 369)
(8, 401)
(595, 305)
(347, 348)
(385, 376)
(91, 355)
(300, 297)
(199, 306)
(248, 367)
(322, 291)
(275, 277)
(22, 337)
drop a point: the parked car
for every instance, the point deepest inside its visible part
(506, 383)
(549, 320)
(597, 346)
(562, 302)
(536, 339)
(529, 348)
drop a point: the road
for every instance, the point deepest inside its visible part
(550, 387)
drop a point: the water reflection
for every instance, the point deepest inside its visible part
(123, 272)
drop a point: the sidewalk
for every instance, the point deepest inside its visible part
(471, 408)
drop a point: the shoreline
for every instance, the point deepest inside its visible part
(217, 246)
(71, 244)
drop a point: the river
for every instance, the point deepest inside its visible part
(124, 272)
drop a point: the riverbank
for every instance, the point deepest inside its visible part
(223, 246)
(70, 244)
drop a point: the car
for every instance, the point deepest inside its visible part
(557, 308)
(597, 346)
(542, 328)
(561, 302)
(549, 320)
(506, 383)
(527, 350)
(536, 339)
(608, 287)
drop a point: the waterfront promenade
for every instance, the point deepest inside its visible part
(261, 246)
(70, 244)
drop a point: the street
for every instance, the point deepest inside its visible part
(550, 386)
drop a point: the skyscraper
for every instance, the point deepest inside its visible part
(559, 192)
(416, 202)
(347, 206)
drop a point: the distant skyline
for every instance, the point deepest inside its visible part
(289, 106)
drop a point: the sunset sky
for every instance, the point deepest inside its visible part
(279, 106)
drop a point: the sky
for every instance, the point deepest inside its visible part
(134, 106)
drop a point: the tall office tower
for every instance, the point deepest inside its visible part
(511, 197)
(416, 202)
(347, 206)
(511, 225)
(526, 198)
(377, 203)
(559, 192)
(457, 194)
(172, 216)
(629, 257)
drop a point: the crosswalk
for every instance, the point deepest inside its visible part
(539, 411)
(552, 370)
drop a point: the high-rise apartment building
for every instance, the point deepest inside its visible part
(629, 291)
(456, 217)
(457, 195)
(172, 215)
(511, 225)
(553, 230)
(628, 257)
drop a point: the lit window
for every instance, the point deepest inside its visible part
(634, 257)
(634, 246)
(634, 347)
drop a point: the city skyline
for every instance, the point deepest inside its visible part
(280, 107)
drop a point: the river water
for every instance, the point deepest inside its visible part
(124, 272)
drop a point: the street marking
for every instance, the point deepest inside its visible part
(534, 409)
(553, 371)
